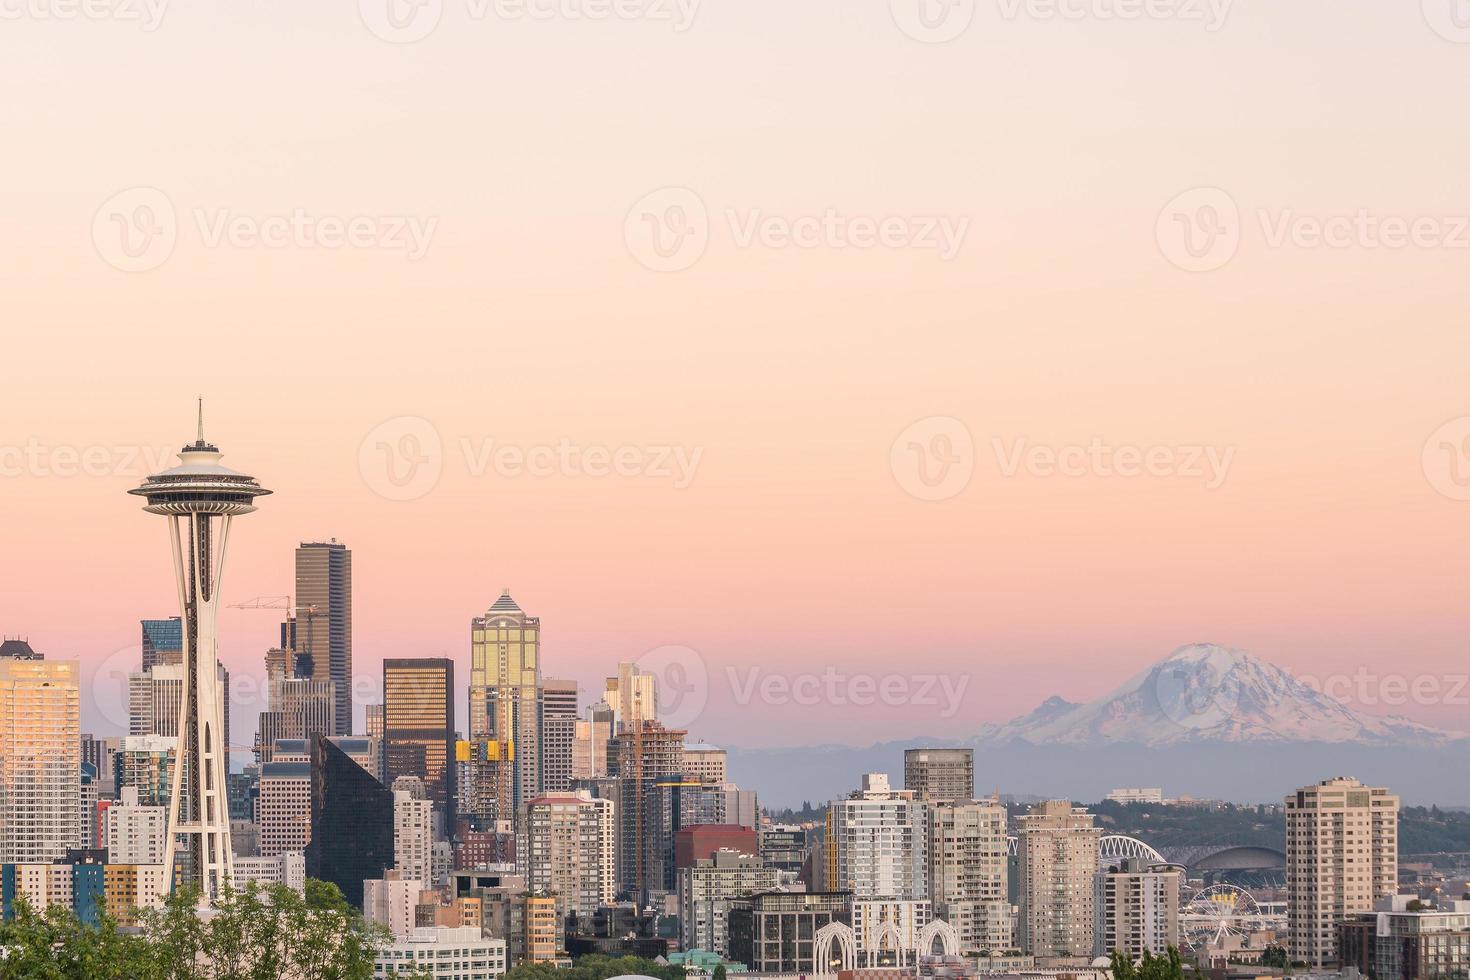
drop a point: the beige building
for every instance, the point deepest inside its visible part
(134, 834)
(1341, 856)
(283, 807)
(1058, 850)
(1137, 907)
(413, 831)
(705, 763)
(968, 874)
(633, 696)
(940, 774)
(565, 847)
(505, 681)
(40, 759)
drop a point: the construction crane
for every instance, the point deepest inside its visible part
(293, 613)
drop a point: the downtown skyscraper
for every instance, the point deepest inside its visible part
(324, 622)
(504, 768)
(40, 759)
(418, 727)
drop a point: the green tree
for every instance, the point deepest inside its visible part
(719, 973)
(1275, 957)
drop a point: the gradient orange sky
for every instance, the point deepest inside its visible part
(795, 548)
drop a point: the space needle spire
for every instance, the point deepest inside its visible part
(200, 497)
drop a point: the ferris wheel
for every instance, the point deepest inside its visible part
(1216, 913)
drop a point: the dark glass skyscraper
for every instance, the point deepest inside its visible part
(351, 821)
(418, 727)
(323, 640)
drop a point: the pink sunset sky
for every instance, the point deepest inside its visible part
(1332, 543)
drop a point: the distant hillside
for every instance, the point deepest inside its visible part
(1421, 830)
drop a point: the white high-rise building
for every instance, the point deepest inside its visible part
(134, 834)
(283, 807)
(287, 869)
(968, 872)
(40, 759)
(564, 846)
(392, 902)
(413, 831)
(1137, 909)
(1342, 850)
(706, 891)
(881, 842)
(1058, 861)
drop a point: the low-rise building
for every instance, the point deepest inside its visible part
(443, 953)
(1404, 938)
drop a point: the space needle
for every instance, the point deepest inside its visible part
(200, 497)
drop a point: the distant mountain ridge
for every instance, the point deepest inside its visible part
(1210, 693)
(1206, 720)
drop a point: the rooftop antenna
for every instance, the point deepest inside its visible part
(201, 420)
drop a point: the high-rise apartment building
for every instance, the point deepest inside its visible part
(413, 831)
(708, 887)
(1341, 857)
(324, 622)
(40, 759)
(1137, 908)
(880, 838)
(504, 725)
(558, 734)
(936, 775)
(418, 727)
(968, 871)
(565, 846)
(156, 694)
(147, 763)
(1058, 850)
(639, 759)
(132, 833)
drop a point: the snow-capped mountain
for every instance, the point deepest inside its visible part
(1207, 693)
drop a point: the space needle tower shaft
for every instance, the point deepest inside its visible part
(200, 497)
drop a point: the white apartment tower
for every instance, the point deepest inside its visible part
(881, 842)
(1058, 852)
(1342, 848)
(1137, 909)
(564, 846)
(968, 875)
